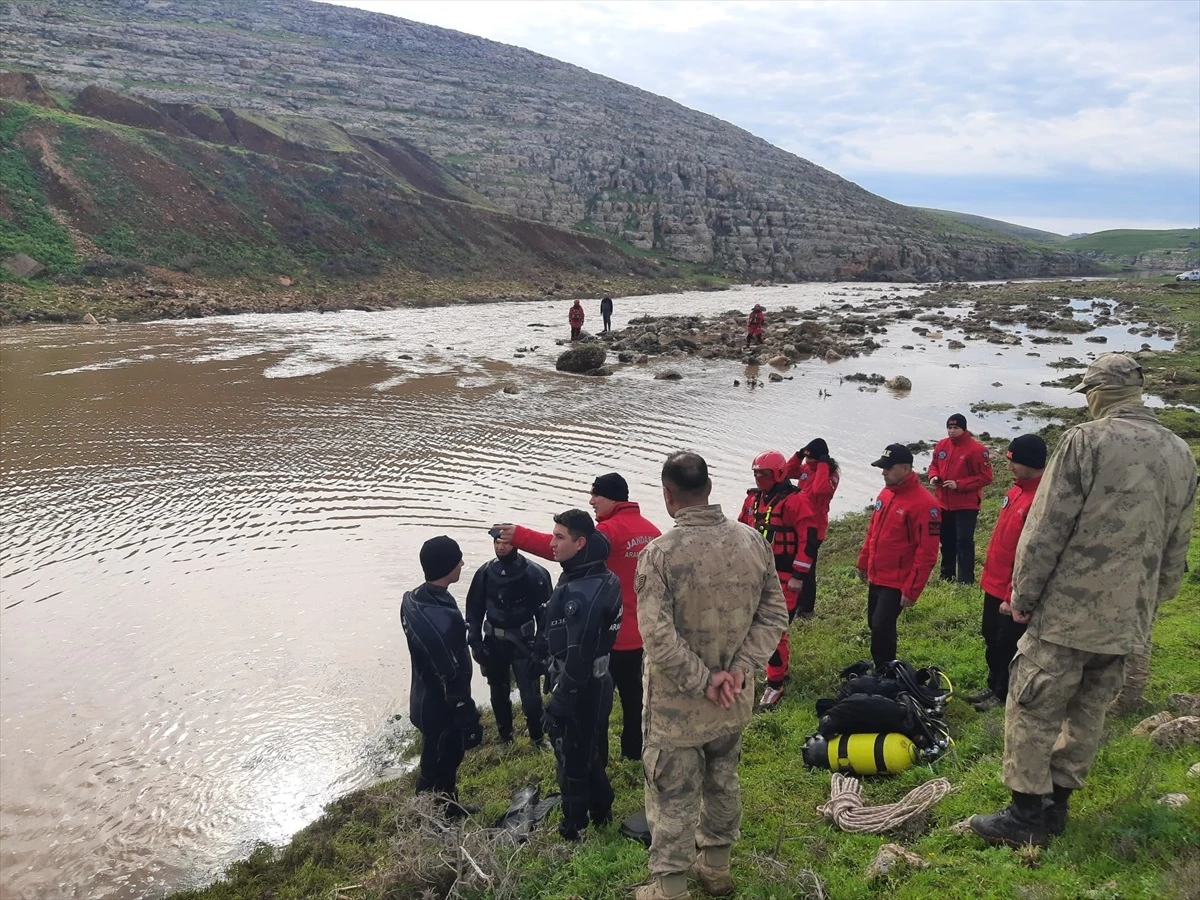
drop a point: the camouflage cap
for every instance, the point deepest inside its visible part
(1112, 370)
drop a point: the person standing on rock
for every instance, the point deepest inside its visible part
(575, 317)
(1105, 543)
(959, 471)
(439, 700)
(710, 611)
(606, 310)
(899, 551)
(583, 616)
(1026, 460)
(505, 606)
(783, 516)
(754, 325)
(817, 476)
(628, 532)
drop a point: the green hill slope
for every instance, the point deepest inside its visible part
(1134, 241)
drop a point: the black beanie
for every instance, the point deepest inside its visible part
(612, 486)
(439, 556)
(957, 419)
(1028, 450)
(816, 448)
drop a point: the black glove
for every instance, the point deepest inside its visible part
(466, 719)
(562, 705)
(479, 652)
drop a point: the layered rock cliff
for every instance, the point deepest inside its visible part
(537, 138)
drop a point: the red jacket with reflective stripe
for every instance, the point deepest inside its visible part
(1002, 548)
(575, 317)
(813, 478)
(784, 521)
(903, 538)
(628, 532)
(754, 325)
(967, 462)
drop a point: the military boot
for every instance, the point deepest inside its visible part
(979, 696)
(1056, 811)
(1021, 822)
(663, 887)
(712, 871)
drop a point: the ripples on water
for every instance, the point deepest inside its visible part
(206, 528)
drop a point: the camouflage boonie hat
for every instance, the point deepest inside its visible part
(1111, 370)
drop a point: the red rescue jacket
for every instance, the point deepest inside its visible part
(756, 321)
(815, 482)
(903, 538)
(1002, 548)
(575, 316)
(628, 532)
(965, 461)
(783, 517)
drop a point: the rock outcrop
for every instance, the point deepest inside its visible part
(535, 137)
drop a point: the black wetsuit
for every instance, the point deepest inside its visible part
(504, 613)
(439, 702)
(583, 616)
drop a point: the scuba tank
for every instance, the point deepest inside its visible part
(861, 754)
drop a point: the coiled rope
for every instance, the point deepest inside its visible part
(845, 808)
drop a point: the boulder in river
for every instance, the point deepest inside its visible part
(781, 361)
(832, 355)
(581, 359)
(900, 383)
(668, 375)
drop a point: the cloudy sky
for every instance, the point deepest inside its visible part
(1065, 116)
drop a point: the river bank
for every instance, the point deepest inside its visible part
(1123, 843)
(144, 294)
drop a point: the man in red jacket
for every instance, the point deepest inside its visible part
(961, 468)
(1026, 460)
(783, 516)
(817, 476)
(575, 317)
(899, 551)
(628, 532)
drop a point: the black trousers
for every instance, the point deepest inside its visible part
(958, 544)
(1000, 636)
(625, 666)
(607, 322)
(807, 600)
(575, 332)
(441, 753)
(883, 609)
(505, 659)
(581, 758)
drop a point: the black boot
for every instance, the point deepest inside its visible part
(1021, 822)
(979, 696)
(1056, 811)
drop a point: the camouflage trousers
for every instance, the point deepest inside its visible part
(693, 799)
(1054, 715)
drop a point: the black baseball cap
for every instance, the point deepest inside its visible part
(893, 455)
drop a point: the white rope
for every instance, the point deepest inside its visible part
(845, 808)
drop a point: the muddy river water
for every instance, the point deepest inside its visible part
(206, 528)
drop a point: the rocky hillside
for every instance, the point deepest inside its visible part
(537, 138)
(118, 182)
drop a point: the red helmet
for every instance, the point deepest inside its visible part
(772, 461)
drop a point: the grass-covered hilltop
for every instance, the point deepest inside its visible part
(1122, 842)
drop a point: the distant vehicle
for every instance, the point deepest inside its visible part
(1193, 275)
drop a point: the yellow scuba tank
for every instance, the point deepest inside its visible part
(862, 754)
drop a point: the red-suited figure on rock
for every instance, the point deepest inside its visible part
(754, 325)
(783, 516)
(575, 317)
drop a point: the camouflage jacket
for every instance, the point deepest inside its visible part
(1107, 535)
(708, 600)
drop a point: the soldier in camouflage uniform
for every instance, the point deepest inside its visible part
(1105, 543)
(711, 612)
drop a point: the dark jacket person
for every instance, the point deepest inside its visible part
(439, 700)
(583, 617)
